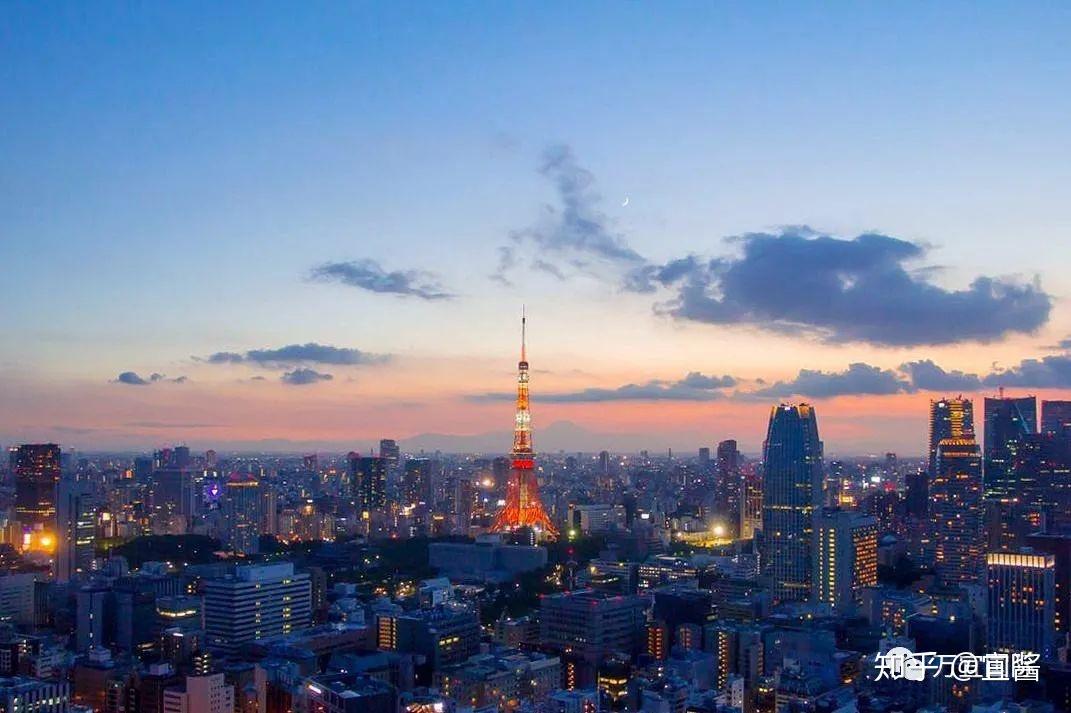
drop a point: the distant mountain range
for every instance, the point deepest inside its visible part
(558, 436)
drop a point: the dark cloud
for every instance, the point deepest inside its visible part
(224, 358)
(928, 376)
(369, 275)
(132, 378)
(573, 233)
(312, 352)
(303, 376)
(308, 353)
(647, 278)
(858, 378)
(842, 291)
(693, 387)
(1062, 345)
(697, 380)
(1051, 372)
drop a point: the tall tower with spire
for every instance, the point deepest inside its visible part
(523, 507)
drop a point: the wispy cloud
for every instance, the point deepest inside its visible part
(369, 275)
(572, 235)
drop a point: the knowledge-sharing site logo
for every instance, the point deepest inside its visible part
(901, 663)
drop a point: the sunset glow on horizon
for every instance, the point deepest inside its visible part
(207, 241)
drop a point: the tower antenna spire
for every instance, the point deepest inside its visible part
(523, 507)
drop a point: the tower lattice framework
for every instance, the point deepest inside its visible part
(523, 507)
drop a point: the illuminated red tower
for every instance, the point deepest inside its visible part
(523, 507)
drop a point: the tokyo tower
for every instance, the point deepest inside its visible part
(523, 507)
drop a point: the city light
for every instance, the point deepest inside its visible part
(790, 428)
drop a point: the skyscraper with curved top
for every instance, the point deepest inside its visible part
(792, 490)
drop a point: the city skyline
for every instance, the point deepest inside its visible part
(298, 256)
(492, 357)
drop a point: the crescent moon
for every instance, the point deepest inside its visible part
(625, 203)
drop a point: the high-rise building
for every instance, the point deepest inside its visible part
(143, 467)
(1008, 421)
(1042, 497)
(243, 512)
(162, 458)
(657, 635)
(151, 683)
(704, 457)
(949, 418)
(957, 512)
(368, 475)
(444, 635)
(180, 457)
(1056, 418)
(90, 602)
(76, 525)
(792, 489)
(37, 471)
(180, 611)
(604, 462)
(26, 693)
(917, 500)
(846, 556)
(592, 623)
(1022, 590)
(728, 487)
(751, 502)
(416, 481)
(254, 602)
(500, 471)
(460, 503)
(389, 450)
(523, 508)
(1059, 546)
(17, 598)
(173, 493)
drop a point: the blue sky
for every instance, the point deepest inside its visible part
(172, 173)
